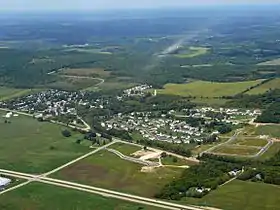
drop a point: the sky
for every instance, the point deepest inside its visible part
(27, 5)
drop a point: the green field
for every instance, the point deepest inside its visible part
(107, 170)
(273, 84)
(275, 62)
(27, 145)
(37, 196)
(271, 151)
(271, 130)
(9, 93)
(241, 195)
(257, 142)
(192, 52)
(237, 150)
(170, 160)
(207, 89)
(125, 149)
(93, 72)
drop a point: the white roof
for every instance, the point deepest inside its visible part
(4, 181)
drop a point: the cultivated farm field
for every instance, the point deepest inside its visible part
(46, 197)
(35, 147)
(207, 89)
(105, 169)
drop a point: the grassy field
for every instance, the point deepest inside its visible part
(30, 146)
(112, 85)
(73, 84)
(37, 196)
(273, 84)
(169, 160)
(236, 150)
(92, 72)
(241, 195)
(257, 142)
(192, 52)
(125, 149)
(107, 170)
(275, 62)
(271, 151)
(9, 93)
(271, 130)
(207, 89)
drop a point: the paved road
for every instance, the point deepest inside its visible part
(96, 190)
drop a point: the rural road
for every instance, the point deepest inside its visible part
(96, 190)
(85, 77)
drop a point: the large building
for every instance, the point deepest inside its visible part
(4, 182)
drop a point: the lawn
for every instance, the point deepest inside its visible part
(105, 169)
(237, 150)
(207, 89)
(271, 130)
(37, 196)
(273, 84)
(257, 142)
(27, 145)
(93, 72)
(275, 62)
(241, 195)
(125, 149)
(192, 52)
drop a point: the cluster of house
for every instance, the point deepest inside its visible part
(52, 103)
(230, 115)
(139, 90)
(159, 128)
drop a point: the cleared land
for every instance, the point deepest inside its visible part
(241, 195)
(236, 150)
(275, 62)
(107, 170)
(112, 85)
(44, 197)
(192, 52)
(273, 84)
(30, 146)
(207, 89)
(90, 72)
(125, 149)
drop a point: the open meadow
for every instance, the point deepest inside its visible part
(237, 150)
(256, 142)
(90, 72)
(125, 149)
(207, 89)
(274, 62)
(45, 197)
(35, 147)
(191, 52)
(105, 169)
(271, 85)
(271, 130)
(241, 195)
(7, 93)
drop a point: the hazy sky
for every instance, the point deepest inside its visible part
(113, 4)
